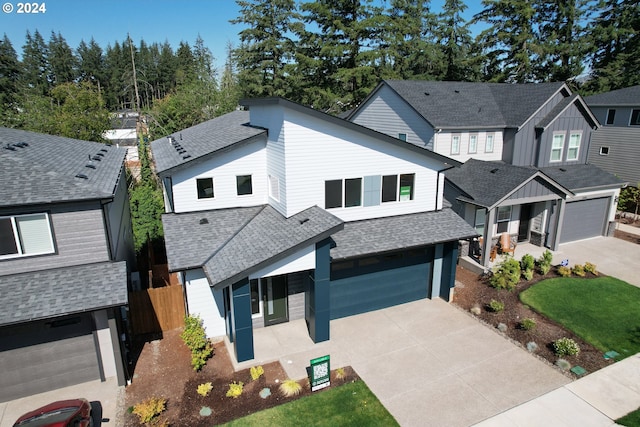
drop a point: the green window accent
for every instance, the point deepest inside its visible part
(406, 186)
(372, 188)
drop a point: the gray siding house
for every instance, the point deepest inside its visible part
(525, 148)
(619, 108)
(65, 247)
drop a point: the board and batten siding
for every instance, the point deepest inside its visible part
(79, 238)
(623, 152)
(534, 190)
(248, 159)
(317, 151)
(119, 222)
(388, 113)
(442, 145)
(205, 302)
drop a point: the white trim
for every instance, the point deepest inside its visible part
(491, 136)
(18, 240)
(456, 137)
(553, 140)
(473, 137)
(577, 148)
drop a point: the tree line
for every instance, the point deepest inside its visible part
(328, 54)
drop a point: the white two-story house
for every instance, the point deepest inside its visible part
(283, 212)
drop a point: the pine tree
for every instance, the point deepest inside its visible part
(456, 43)
(62, 61)
(35, 65)
(91, 66)
(9, 76)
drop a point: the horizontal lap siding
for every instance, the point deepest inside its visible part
(442, 145)
(623, 159)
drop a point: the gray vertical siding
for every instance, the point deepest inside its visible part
(450, 195)
(533, 189)
(571, 120)
(623, 159)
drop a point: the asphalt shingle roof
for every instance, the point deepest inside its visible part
(629, 96)
(232, 243)
(44, 171)
(470, 104)
(359, 238)
(60, 291)
(582, 177)
(203, 139)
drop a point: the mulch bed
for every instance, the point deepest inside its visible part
(163, 369)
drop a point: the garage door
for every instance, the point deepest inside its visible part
(372, 283)
(46, 355)
(584, 219)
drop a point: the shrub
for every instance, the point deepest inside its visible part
(528, 324)
(195, 338)
(544, 268)
(564, 271)
(528, 262)
(590, 268)
(532, 347)
(340, 374)
(235, 389)
(502, 327)
(544, 262)
(496, 306)
(256, 372)
(149, 409)
(507, 275)
(563, 364)
(566, 347)
(578, 270)
(290, 387)
(205, 389)
(475, 310)
(527, 274)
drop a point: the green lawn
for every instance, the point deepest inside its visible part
(632, 419)
(603, 311)
(351, 404)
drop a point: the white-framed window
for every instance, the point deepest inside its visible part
(244, 186)
(334, 189)
(503, 218)
(481, 214)
(574, 145)
(473, 143)
(556, 147)
(402, 136)
(635, 118)
(488, 145)
(205, 188)
(274, 187)
(611, 116)
(25, 235)
(604, 151)
(455, 144)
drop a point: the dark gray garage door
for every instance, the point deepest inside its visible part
(584, 219)
(372, 283)
(46, 355)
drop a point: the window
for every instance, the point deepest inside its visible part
(389, 188)
(243, 184)
(352, 192)
(479, 220)
(635, 118)
(205, 188)
(611, 116)
(504, 216)
(406, 186)
(25, 235)
(574, 145)
(255, 296)
(333, 194)
(556, 147)
(455, 144)
(402, 136)
(488, 147)
(274, 187)
(604, 151)
(473, 144)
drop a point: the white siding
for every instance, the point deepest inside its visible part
(302, 260)
(442, 145)
(245, 160)
(205, 302)
(317, 151)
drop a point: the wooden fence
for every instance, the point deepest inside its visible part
(157, 309)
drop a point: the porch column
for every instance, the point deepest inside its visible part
(488, 231)
(318, 308)
(436, 278)
(241, 320)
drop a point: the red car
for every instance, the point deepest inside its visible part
(64, 413)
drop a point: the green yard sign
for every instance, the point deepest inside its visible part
(405, 193)
(320, 373)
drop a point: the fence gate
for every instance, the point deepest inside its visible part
(156, 310)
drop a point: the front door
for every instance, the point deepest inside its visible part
(275, 300)
(525, 217)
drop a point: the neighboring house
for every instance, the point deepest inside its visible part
(124, 128)
(615, 147)
(65, 240)
(529, 143)
(284, 212)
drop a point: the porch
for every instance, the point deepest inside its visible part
(524, 248)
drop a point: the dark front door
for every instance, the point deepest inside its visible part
(275, 300)
(525, 217)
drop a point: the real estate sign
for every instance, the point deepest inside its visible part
(320, 373)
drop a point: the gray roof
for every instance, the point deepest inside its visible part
(44, 171)
(203, 139)
(582, 177)
(629, 96)
(474, 105)
(60, 291)
(233, 243)
(393, 233)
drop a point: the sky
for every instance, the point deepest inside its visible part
(108, 21)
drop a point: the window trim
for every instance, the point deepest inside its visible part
(274, 182)
(213, 188)
(569, 147)
(477, 224)
(341, 198)
(507, 220)
(603, 149)
(250, 185)
(491, 136)
(553, 140)
(473, 136)
(360, 194)
(402, 136)
(455, 137)
(18, 239)
(395, 189)
(611, 112)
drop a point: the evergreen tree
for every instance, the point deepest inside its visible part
(186, 64)
(456, 43)
(91, 66)
(9, 76)
(62, 61)
(167, 66)
(35, 65)
(116, 64)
